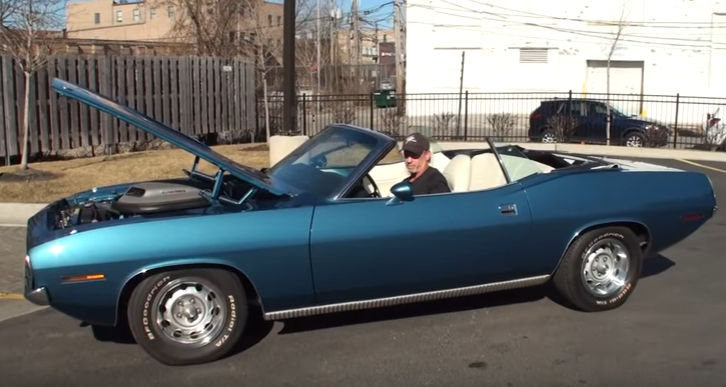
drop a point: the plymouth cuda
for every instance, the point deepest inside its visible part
(331, 227)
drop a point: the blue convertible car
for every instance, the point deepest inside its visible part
(330, 227)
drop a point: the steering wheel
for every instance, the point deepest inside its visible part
(376, 192)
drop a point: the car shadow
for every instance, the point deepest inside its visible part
(652, 266)
(258, 328)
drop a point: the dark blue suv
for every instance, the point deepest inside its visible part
(583, 120)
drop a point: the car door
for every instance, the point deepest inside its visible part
(367, 249)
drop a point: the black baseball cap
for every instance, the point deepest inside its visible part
(416, 143)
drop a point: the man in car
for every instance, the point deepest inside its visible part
(424, 178)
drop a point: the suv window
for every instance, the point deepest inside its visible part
(599, 108)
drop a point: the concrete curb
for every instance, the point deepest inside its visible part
(17, 214)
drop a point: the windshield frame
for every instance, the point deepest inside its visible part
(383, 144)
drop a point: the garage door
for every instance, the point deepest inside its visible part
(622, 80)
(625, 78)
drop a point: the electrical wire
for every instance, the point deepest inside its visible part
(592, 34)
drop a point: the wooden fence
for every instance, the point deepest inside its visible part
(191, 94)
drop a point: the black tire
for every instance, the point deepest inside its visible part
(569, 282)
(224, 287)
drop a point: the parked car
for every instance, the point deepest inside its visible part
(586, 120)
(184, 262)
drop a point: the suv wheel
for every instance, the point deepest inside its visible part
(634, 139)
(548, 137)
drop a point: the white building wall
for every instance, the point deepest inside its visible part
(680, 43)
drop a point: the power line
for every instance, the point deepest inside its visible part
(582, 20)
(594, 34)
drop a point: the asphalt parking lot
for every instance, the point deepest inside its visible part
(668, 334)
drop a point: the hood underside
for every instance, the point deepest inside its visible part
(173, 136)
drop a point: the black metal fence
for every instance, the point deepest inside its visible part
(472, 116)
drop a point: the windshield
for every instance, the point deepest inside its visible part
(322, 165)
(517, 164)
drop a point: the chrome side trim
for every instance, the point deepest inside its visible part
(407, 299)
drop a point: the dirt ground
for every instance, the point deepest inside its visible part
(47, 181)
(51, 180)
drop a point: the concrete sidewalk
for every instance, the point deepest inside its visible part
(12, 251)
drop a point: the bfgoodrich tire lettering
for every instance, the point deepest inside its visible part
(600, 270)
(188, 316)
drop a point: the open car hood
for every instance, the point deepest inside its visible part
(174, 137)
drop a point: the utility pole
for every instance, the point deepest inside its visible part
(332, 70)
(289, 103)
(355, 26)
(333, 27)
(378, 55)
(317, 30)
(399, 33)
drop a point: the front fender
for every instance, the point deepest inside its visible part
(269, 247)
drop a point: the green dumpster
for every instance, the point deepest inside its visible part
(385, 98)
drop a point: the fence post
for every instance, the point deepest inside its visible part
(569, 101)
(371, 96)
(675, 124)
(466, 115)
(304, 115)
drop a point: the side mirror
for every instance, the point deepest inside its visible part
(403, 191)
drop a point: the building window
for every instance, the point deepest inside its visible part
(533, 55)
(152, 13)
(137, 15)
(96, 18)
(269, 20)
(120, 16)
(385, 38)
(170, 11)
(279, 20)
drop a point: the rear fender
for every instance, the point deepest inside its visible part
(614, 222)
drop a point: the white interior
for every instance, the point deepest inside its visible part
(463, 173)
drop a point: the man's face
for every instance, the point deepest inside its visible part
(416, 162)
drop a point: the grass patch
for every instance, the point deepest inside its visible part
(48, 181)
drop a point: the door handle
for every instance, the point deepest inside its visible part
(508, 209)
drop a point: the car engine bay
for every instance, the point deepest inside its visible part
(147, 199)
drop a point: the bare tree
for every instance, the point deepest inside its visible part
(619, 26)
(6, 9)
(31, 34)
(209, 24)
(264, 43)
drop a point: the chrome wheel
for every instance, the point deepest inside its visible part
(605, 267)
(634, 141)
(549, 138)
(190, 312)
